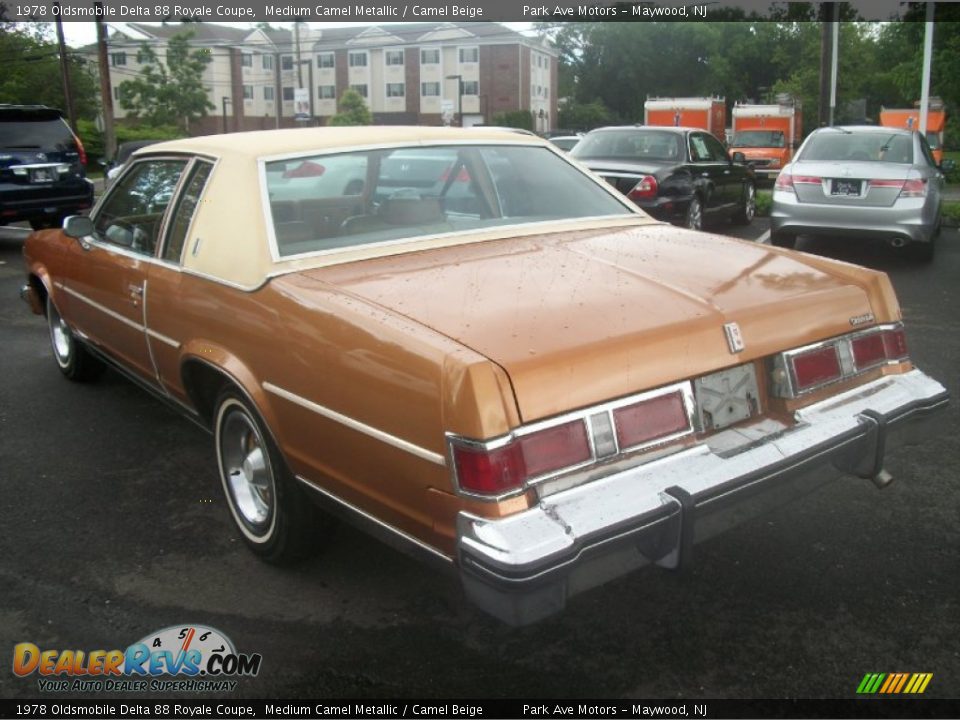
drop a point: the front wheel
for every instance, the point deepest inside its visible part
(73, 359)
(748, 209)
(694, 218)
(277, 521)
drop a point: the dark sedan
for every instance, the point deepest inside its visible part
(683, 175)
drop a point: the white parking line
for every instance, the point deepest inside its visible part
(764, 239)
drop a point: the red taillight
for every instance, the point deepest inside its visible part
(505, 469)
(489, 472)
(646, 189)
(80, 150)
(306, 169)
(816, 367)
(879, 347)
(650, 420)
(784, 182)
(914, 188)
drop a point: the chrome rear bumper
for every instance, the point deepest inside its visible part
(523, 567)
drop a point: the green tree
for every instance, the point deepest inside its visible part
(171, 92)
(31, 70)
(353, 110)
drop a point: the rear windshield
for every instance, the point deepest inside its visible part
(630, 145)
(329, 202)
(860, 147)
(35, 131)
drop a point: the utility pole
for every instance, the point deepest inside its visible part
(826, 31)
(106, 93)
(65, 73)
(927, 55)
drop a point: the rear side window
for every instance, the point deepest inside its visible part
(186, 206)
(35, 131)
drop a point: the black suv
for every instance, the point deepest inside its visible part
(42, 176)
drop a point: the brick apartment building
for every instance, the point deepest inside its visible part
(409, 73)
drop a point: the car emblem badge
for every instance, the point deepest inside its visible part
(734, 337)
(864, 319)
(41, 157)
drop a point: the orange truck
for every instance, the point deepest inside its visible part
(910, 118)
(767, 135)
(708, 113)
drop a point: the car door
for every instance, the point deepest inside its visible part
(170, 315)
(711, 170)
(106, 282)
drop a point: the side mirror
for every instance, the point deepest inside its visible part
(78, 226)
(739, 157)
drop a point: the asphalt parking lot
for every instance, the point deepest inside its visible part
(113, 527)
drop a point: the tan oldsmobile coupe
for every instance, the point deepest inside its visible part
(467, 343)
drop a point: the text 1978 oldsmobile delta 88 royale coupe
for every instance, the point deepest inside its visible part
(476, 348)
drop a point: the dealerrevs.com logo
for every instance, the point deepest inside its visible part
(182, 658)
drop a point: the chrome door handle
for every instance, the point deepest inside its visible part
(135, 290)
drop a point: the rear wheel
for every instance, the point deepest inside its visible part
(694, 218)
(73, 359)
(748, 209)
(784, 240)
(277, 521)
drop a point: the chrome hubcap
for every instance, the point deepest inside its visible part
(59, 335)
(247, 469)
(750, 208)
(696, 216)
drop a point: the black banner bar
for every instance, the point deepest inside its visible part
(102, 709)
(394, 11)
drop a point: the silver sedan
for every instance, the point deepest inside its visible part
(860, 181)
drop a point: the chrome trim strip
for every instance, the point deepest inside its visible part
(101, 308)
(393, 531)
(146, 337)
(163, 338)
(349, 422)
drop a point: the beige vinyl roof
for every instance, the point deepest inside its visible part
(268, 143)
(229, 238)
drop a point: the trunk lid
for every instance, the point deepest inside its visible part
(578, 318)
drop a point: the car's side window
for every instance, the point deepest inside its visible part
(927, 153)
(699, 152)
(717, 152)
(132, 214)
(184, 211)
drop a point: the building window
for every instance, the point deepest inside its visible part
(471, 87)
(430, 89)
(362, 89)
(394, 57)
(248, 92)
(469, 55)
(267, 62)
(286, 62)
(325, 60)
(116, 92)
(327, 92)
(288, 94)
(268, 94)
(118, 58)
(246, 60)
(395, 90)
(546, 63)
(357, 59)
(430, 56)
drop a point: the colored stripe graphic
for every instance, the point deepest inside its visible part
(894, 683)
